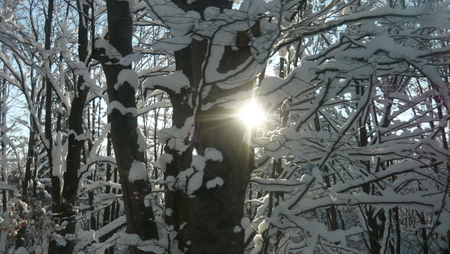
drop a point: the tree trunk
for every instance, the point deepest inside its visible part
(55, 178)
(3, 157)
(209, 220)
(70, 187)
(138, 209)
(213, 216)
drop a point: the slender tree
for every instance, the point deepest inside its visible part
(130, 156)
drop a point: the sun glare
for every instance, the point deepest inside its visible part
(251, 114)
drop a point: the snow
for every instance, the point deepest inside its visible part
(83, 136)
(273, 91)
(121, 108)
(198, 162)
(172, 44)
(151, 106)
(169, 212)
(216, 182)
(137, 171)
(245, 223)
(194, 182)
(258, 240)
(317, 174)
(175, 138)
(444, 226)
(314, 90)
(254, 9)
(284, 185)
(110, 51)
(142, 147)
(179, 22)
(306, 178)
(174, 82)
(59, 239)
(88, 235)
(233, 78)
(263, 226)
(384, 43)
(129, 239)
(163, 160)
(407, 201)
(21, 250)
(59, 154)
(191, 179)
(128, 76)
(213, 154)
(62, 43)
(131, 58)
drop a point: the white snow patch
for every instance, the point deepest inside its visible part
(21, 250)
(129, 76)
(174, 81)
(306, 178)
(163, 160)
(172, 43)
(86, 235)
(214, 183)
(119, 106)
(289, 133)
(245, 223)
(191, 179)
(131, 58)
(140, 140)
(198, 162)
(169, 212)
(213, 154)
(175, 138)
(282, 185)
(129, 239)
(195, 182)
(69, 237)
(258, 240)
(263, 226)
(110, 51)
(317, 174)
(137, 171)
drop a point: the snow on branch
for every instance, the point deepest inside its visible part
(110, 52)
(173, 82)
(86, 238)
(116, 105)
(177, 138)
(284, 185)
(127, 76)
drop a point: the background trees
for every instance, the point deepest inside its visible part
(131, 139)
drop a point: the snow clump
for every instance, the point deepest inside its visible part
(137, 171)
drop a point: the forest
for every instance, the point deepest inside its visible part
(217, 126)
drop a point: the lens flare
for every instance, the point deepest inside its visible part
(251, 114)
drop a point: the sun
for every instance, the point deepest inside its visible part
(251, 114)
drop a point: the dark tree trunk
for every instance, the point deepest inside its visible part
(70, 187)
(30, 159)
(213, 215)
(208, 221)
(138, 211)
(3, 143)
(55, 179)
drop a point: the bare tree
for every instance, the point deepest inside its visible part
(123, 118)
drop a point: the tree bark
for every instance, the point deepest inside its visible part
(138, 209)
(209, 220)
